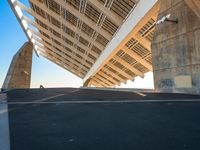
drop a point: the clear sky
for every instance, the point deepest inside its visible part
(44, 72)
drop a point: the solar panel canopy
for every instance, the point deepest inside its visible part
(77, 35)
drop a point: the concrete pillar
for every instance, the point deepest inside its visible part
(19, 73)
(176, 48)
(194, 5)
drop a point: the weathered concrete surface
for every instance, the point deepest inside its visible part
(19, 73)
(176, 49)
(194, 5)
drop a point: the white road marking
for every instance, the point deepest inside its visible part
(6, 110)
(94, 102)
(3, 111)
(74, 91)
(48, 98)
(141, 94)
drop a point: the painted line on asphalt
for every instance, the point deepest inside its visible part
(3, 100)
(3, 111)
(98, 102)
(6, 110)
(141, 94)
(74, 91)
(48, 98)
(34, 102)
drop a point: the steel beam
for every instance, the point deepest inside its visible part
(139, 16)
(106, 11)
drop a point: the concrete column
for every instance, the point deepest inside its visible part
(194, 5)
(176, 48)
(19, 73)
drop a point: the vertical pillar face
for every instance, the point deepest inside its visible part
(176, 49)
(194, 5)
(19, 73)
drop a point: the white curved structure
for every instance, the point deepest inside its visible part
(103, 42)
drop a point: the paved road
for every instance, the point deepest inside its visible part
(81, 119)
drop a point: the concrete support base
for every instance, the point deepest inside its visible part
(176, 48)
(19, 73)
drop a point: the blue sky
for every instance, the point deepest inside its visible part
(44, 72)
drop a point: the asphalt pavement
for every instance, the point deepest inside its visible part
(87, 119)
